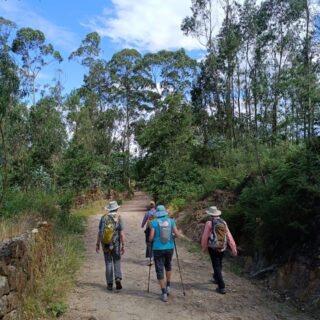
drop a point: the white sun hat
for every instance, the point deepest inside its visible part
(214, 212)
(112, 207)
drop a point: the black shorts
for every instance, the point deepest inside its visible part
(147, 233)
(162, 260)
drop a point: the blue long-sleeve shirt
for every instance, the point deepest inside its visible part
(147, 215)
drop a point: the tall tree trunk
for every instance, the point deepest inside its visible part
(247, 91)
(33, 91)
(307, 65)
(238, 101)
(5, 161)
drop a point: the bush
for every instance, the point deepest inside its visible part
(18, 202)
(177, 204)
(279, 213)
(68, 223)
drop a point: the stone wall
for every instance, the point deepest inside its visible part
(21, 259)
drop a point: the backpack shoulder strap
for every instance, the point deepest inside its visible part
(109, 217)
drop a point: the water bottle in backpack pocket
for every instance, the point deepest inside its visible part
(218, 236)
(165, 230)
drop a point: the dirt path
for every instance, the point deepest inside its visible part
(91, 300)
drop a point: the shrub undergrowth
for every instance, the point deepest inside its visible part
(277, 190)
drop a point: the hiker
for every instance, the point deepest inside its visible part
(215, 237)
(148, 217)
(111, 238)
(162, 231)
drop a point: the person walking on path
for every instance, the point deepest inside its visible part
(148, 217)
(163, 229)
(111, 238)
(216, 236)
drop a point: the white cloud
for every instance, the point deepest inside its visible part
(150, 25)
(146, 24)
(16, 11)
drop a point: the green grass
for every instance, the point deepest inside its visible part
(91, 209)
(48, 297)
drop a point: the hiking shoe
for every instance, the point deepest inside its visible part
(168, 290)
(213, 281)
(118, 284)
(110, 286)
(164, 297)
(221, 290)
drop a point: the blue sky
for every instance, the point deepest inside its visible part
(147, 25)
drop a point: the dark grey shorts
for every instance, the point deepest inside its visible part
(162, 260)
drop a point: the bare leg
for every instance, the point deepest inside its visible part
(162, 284)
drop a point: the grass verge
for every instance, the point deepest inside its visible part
(15, 226)
(47, 300)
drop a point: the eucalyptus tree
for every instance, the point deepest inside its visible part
(202, 22)
(171, 72)
(18, 146)
(90, 108)
(35, 54)
(9, 86)
(89, 50)
(311, 64)
(47, 134)
(229, 40)
(168, 166)
(89, 55)
(249, 33)
(221, 54)
(129, 86)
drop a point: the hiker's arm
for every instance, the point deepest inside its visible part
(98, 237)
(151, 237)
(205, 236)
(98, 242)
(122, 241)
(231, 243)
(176, 232)
(144, 221)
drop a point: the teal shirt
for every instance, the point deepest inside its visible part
(157, 245)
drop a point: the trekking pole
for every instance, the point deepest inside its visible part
(175, 247)
(149, 270)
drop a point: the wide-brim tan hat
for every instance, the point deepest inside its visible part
(214, 212)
